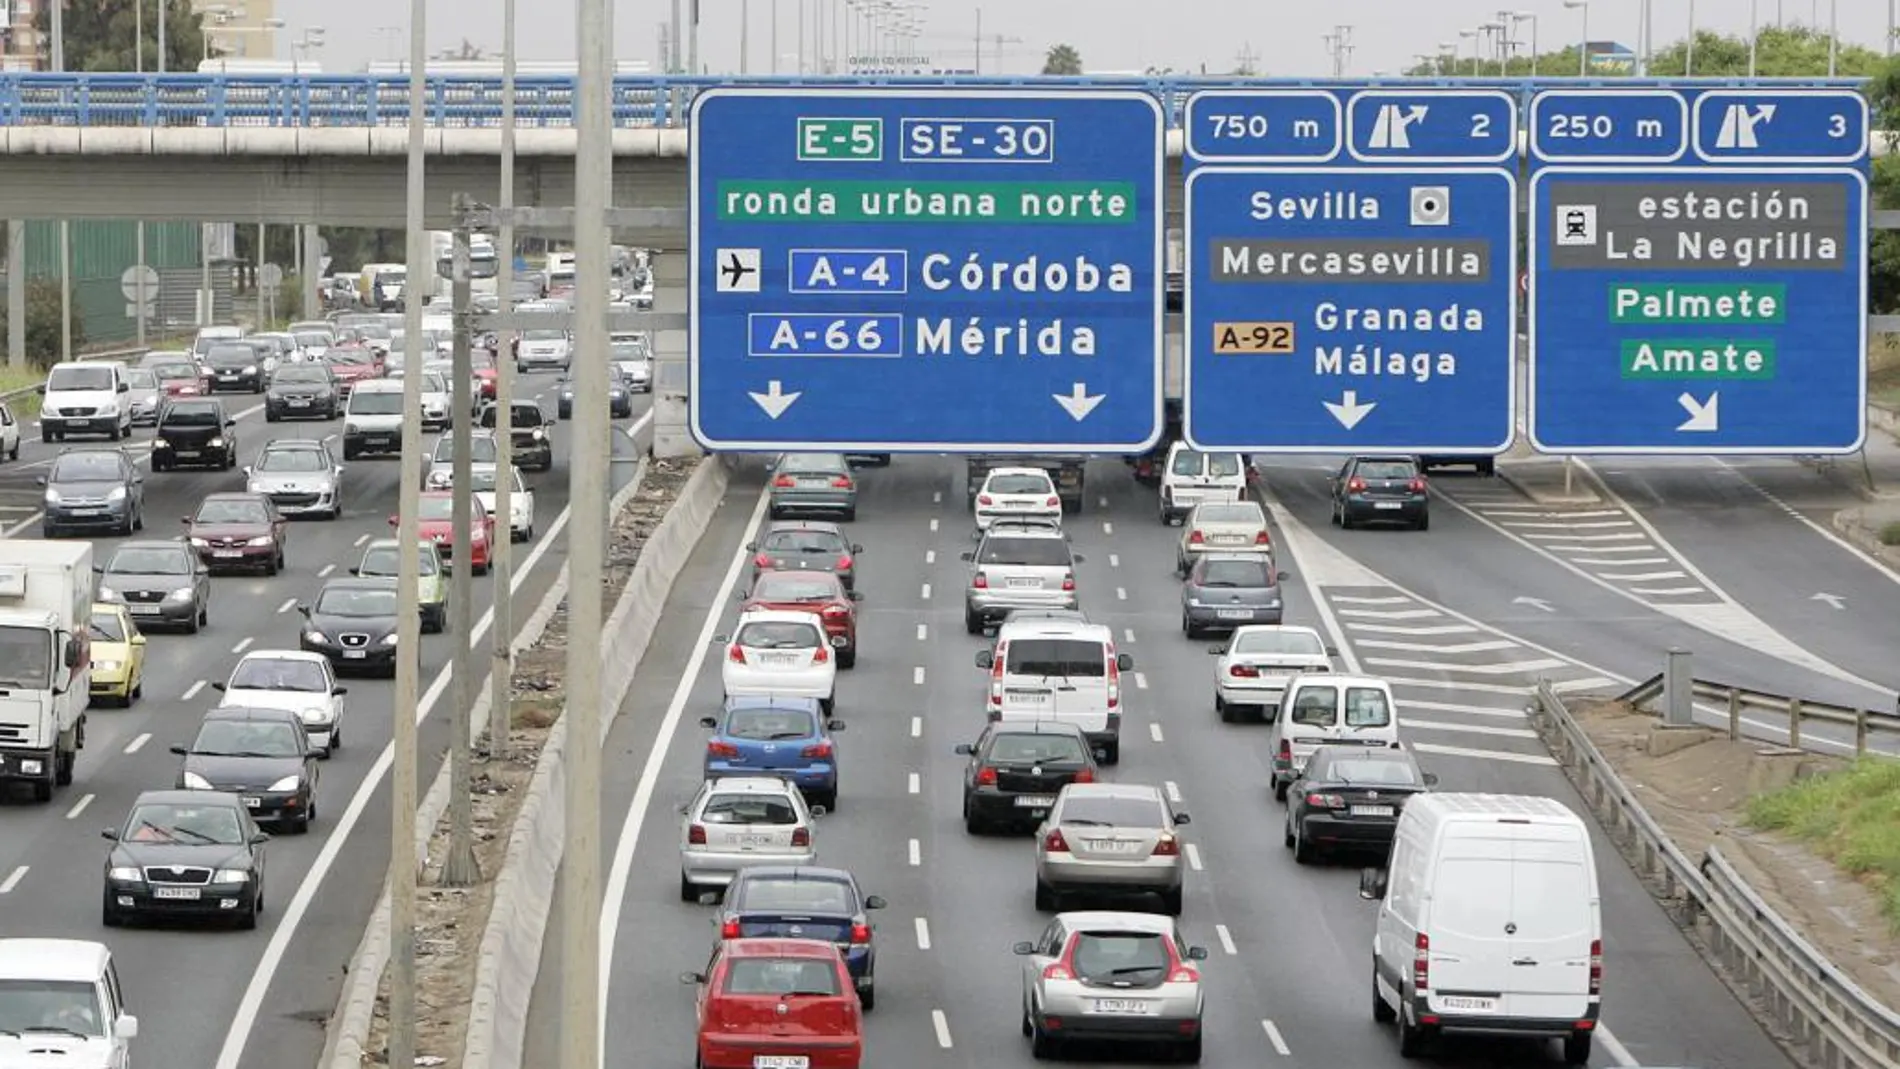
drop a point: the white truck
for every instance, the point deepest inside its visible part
(46, 593)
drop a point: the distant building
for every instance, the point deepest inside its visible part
(240, 32)
(20, 46)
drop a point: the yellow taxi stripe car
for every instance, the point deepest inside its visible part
(118, 655)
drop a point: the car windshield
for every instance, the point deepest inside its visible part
(748, 809)
(182, 414)
(1236, 573)
(523, 417)
(814, 464)
(26, 658)
(1226, 465)
(438, 507)
(50, 1006)
(480, 450)
(1281, 642)
(769, 724)
(312, 339)
(1366, 707)
(1228, 514)
(781, 976)
(1028, 552)
(384, 560)
(261, 738)
(174, 371)
(140, 378)
(629, 351)
(1056, 657)
(304, 374)
(544, 335)
(1036, 749)
(1020, 484)
(482, 481)
(106, 627)
(86, 467)
(790, 586)
(68, 377)
(1112, 812)
(772, 895)
(232, 510)
(1386, 469)
(279, 673)
(356, 601)
(1111, 956)
(803, 542)
(282, 460)
(231, 355)
(186, 825)
(140, 560)
(1382, 771)
(778, 635)
(375, 403)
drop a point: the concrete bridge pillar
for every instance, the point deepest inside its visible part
(672, 435)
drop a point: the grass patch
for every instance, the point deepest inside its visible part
(1850, 817)
(1890, 534)
(26, 407)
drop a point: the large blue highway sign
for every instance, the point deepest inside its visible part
(1698, 271)
(1350, 270)
(926, 270)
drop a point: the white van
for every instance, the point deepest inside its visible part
(1329, 710)
(70, 987)
(85, 397)
(1190, 477)
(372, 418)
(1059, 670)
(1489, 923)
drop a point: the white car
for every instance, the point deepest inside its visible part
(441, 471)
(1256, 662)
(544, 349)
(436, 400)
(294, 681)
(738, 821)
(9, 433)
(520, 502)
(1017, 493)
(780, 654)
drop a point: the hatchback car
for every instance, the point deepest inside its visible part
(1018, 565)
(778, 653)
(1112, 977)
(1255, 664)
(144, 395)
(294, 680)
(805, 545)
(92, 489)
(161, 584)
(351, 364)
(383, 560)
(787, 737)
(1013, 493)
(177, 380)
(1110, 838)
(776, 1002)
(1016, 769)
(300, 476)
(438, 407)
(194, 433)
(817, 593)
(261, 755)
(236, 365)
(353, 622)
(9, 433)
(239, 532)
(439, 473)
(733, 822)
(435, 522)
(619, 396)
(520, 499)
(118, 655)
(1222, 591)
(807, 902)
(303, 391)
(813, 482)
(1350, 796)
(527, 428)
(1222, 527)
(185, 853)
(1381, 490)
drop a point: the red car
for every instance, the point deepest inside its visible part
(822, 593)
(182, 380)
(436, 523)
(353, 365)
(778, 1002)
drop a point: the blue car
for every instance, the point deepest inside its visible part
(785, 737)
(806, 902)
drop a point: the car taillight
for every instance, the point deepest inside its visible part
(1243, 671)
(784, 481)
(820, 655)
(837, 610)
(1262, 539)
(1054, 842)
(844, 563)
(986, 777)
(817, 749)
(1422, 963)
(1054, 502)
(696, 835)
(1167, 846)
(1326, 801)
(1195, 538)
(981, 582)
(861, 934)
(1416, 486)
(1058, 971)
(985, 499)
(1068, 582)
(1087, 775)
(1182, 974)
(762, 561)
(1596, 966)
(801, 836)
(842, 482)
(1355, 485)
(1286, 751)
(729, 930)
(716, 748)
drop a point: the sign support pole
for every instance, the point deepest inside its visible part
(460, 868)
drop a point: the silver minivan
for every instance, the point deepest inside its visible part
(1018, 565)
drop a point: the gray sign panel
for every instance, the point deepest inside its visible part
(1379, 262)
(1688, 225)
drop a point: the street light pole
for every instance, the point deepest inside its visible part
(460, 867)
(1754, 33)
(1833, 37)
(1583, 41)
(164, 41)
(1688, 55)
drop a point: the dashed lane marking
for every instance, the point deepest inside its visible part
(13, 880)
(360, 540)
(1141, 681)
(933, 523)
(1484, 646)
(289, 604)
(915, 784)
(138, 743)
(1278, 1041)
(941, 1025)
(916, 853)
(1108, 528)
(1154, 731)
(1468, 729)
(192, 691)
(916, 727)
(923, 632)
(930, 556)
(1193, 857)
(79, 807)
(324, 571)
(926, 592)
(917, 675)
(1121, 593)
(1174, 792)
(923, 934)
(1114, 560)
(1226, 939)
(1128, 634)
(243, 645)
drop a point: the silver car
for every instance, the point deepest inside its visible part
(813, 482)
(1018, 565)
(1222, 527)
(1112, 977)
(739, 821)
(441, 471)
(1223, 591)
(143, 396)
(300, 476)
(1110, 838)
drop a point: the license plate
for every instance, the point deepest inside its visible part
(298, 403)
(783, 660)
(1386, 504)
(1112, 846)
(780, 1061)
(814, 482)
(252, 803)
(1035, 801)
(1373, 810)
(88, 512)
(1235, 614)
(1025, 584)
(143, 610)
(1229, 540)
(1467, 1003)
(183, 894)
(79, 422)
(187, 452)
(226, 553)
(755, 840)
(1140, 1007)
(355, 655)
(1035, 698)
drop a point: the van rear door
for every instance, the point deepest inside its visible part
(1552, 924)
(1470, 971)
(1058, 678)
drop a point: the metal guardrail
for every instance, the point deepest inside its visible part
(1827, 1020)
(1741, 701)
(639, 101)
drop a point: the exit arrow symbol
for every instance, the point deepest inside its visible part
(1348, 411)
(775, 400)
(1832, 599)
(1703, 415)
(1078, 402)
(1535, 603)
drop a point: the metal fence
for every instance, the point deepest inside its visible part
(1742, 703)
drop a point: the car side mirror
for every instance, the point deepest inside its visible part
(818, 811)
(1279, 577)
(856, 549)
(692, 979)
(966, 555)
(740, 596)
(40, 389)
(339, 691)
(181, 750)
(98, 569)
(219, 687)
(751, 547)
(303, 611)
(1125, 662)
(110, 833)
(722, 639)
(1183, 818)
(184, 519)
(259, 838)
(71, 657)
(1197, 953)
(138, 640)
(41, 480)
(834, 725)
(1332, 651)
(709, 898)
(1023, 949)
(964, 749)
(1101, 754)
(875, 902)
(708, 722)
(127, 1026)
(125, 387)
(1217, 650)
(314, 752)
(230, 423)
(356, 571)
(247, 471)
(1372, 884)
(1079, 558)
(855, 595)
(985, 658)
(1431, 779)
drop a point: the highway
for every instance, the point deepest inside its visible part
(186, 985)
(1288, 976)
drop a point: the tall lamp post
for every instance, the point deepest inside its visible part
(1530, 17)
(1583, 37)
(311, 40)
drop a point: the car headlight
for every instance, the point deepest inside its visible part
(260, 540)
(117, 494)
(248, 371)
(109, 408)
(106, 593)
(160, 443)
(389, 639)
(314, 635)
(52, 496)
(199, 543)
(181, 594)
(1195, 603)
(106, 666)
(1273, 603)
(288, 783)
(125, 874)
(194, 782)
(232, 875)
(315, 715)
(539, 434)
(351, 428)
(216, 443)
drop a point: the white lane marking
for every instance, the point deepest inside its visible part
(1623, 562)
(1567, 526)
(324, 571)
(933, 523)
(1636, 537)
(916, 783)
(1108, 528)
(936, 497)
(1858, 553)
(916, 727)
(1389, 614)
(926, 592)
(1226, 939)
(1402, 629)
(138, 743)
(1468, 729)
(930, 556)
(1141, 681)
(942, 1025)
(1591, 683)
(1484, 646)
(289, 604)
(243, 645)
(1274, 1037)
(1128, 634)
(1517, 691)
(192, 691)
(1485, 755)
(1114, 560)
(917, 675)
(1668, 591)
(13, 880)
(1388, 599)
(1154, 731)
(1641, 577)
(1470, 710)
(1102, 501)
(360, 540)
(1508, 668)
(923, 934)
(1174, 792)
(1194, 857)
(79, 807)
(1645, 548)
(1121, 593)
(916, 851)
(923, 632)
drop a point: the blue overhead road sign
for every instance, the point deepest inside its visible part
(1358, 291)
(883, 270)
(1702, 302)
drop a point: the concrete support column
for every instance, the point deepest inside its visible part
(672, 434)
(16, 293)
(309, 269)
(1678, 689)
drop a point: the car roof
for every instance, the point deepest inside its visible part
(1015, 528)
(835, 459)
(283, 655)
(804, 525)
(779, 616)
(233, 495)
(800, 575)
(776, 947)
(184, 797)
(1017, 471)
(357, 583)
(153, 543)
(750, 785)
(819, 873)
(252, 713)
(53, 959)
(1223, 555)
(1080, 630)
(770, 701)
(1116, 920)
(1141, 791)
(295, 444)
(1038, 727)
(1348, 679)
(1386, 458)
(378, 386)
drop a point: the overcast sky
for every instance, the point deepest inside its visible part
(1112, 35)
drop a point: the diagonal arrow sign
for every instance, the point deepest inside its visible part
(1832, 599)
(1703, 415)
(1078, 402)
(775, 400)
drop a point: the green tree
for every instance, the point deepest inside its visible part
(1780, 52)
(100, 34)
(42, 322)
(1062, 60)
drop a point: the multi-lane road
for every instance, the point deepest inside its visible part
(188, 986)
(1462, 619)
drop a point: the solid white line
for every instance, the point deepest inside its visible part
(1114, 560)
(138, 743)
(916, 727)
(1671, 591)
(1402, 629)
(1174, 792)
(1154, 731)
(916, 783)
(1493, 645)
(289, 604)
(1388, 599)
(930, 556)
(942, 1025)
(917, 675)
(1509, 668)
(13, 880)
(1226, 939)
(923, 934)
(1640, 577)
(1624, 562)
(1515, 690)
(933, 523)
(923, 632)
(192, 691)
(1469, 710)
(1121, 593)
(1273, 1037)
(926, 592)
(325, 571)
(916, 852)
(1483, 755)
(1141, 681)
(360, 540)
(79, 807)
(1194, 857)
(1860, 554)
(1128, 634)
(1390, 614)
(1108, 528)
(243, 645)
(1468, 729)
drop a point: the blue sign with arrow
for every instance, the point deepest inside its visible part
(942, 270)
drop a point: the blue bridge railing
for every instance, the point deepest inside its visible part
(639, 101)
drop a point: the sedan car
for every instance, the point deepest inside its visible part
(194, 432)
(817, 593)
(1256, 663)
(739, 821)
(303, 391)
(144, 396)
(1110, 838)
(236, 365)
(181, 380)
(351, 364)
(773, 652)
(1114, 978)
(542, 349)
(353, 623)
(437, 404)
(1015, 493)
(1222, 527)
(239, 531)
(805, 545)
(382, 559)
(93, 489)
(1225, 590)
(300, 476)
(806, 902)
(776, 1002)
(520, 500)
(1381, 490)
(296, 681)
(813, 482)
(440, 472)
(185, 853)
(788, 737)
(619, 396)
(1350, 796)
(161, 584)
(261, 755)
(118, 655)
(436, 523)
(1016, 769)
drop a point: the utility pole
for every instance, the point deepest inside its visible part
(501, 670)
(1245, 60)
(460, 868)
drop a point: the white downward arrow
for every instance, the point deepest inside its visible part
(1348, 411)
(1832, 599)
(1702, 414)
(774, 400)
(1536, 603)
(1078, 402)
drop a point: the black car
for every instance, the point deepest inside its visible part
(302, 391)
(793, 546)
(353, 623)
(528, 429)
(162, 583)
(619, 395)
(1381, 490)
(1016, 770)
(194, 433)
(96, 490)
(261, 755)
(805, 902)
(185, 853)
(235, 365)
(1349, 796)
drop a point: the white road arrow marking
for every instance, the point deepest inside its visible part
(1832, 599)
(1348, 411)
(1536, 603)
(775, 400)
(1078, 402)
(1703, 415)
